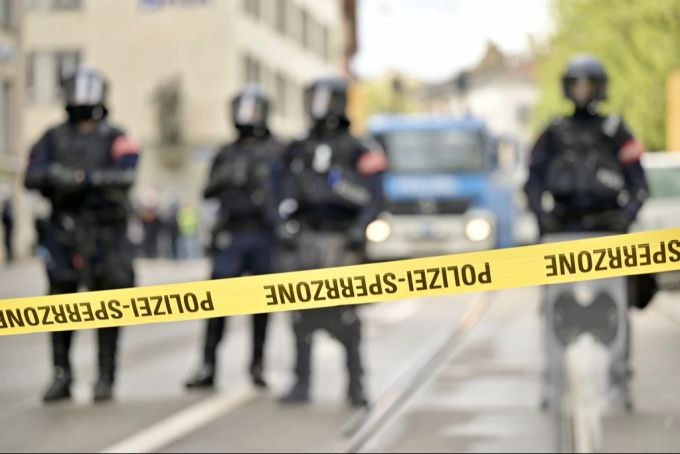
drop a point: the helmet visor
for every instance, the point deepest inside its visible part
(323, 101)
(84, 89)
(249, 109)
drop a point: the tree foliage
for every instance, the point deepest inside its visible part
(383, 94)
(639, 43)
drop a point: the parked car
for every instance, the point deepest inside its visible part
(662, 209)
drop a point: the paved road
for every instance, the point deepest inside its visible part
(484, 397)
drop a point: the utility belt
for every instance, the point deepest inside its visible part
(114, 216)
(590, 218)
(576, 213)
(84, 235)
(250, 224)
(308, 223)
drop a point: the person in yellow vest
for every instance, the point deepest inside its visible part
(187, 220)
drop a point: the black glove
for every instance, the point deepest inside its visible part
(548, 223)
(620, 221)
(356, 238)
(614, 221)
(64, 178)
(286, 234)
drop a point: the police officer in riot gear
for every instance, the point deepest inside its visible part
(242, 239)
(588, 164)
(585, 176)
(330, 191)
(85, 168)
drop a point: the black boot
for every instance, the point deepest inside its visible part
(298, 394)
(356, 395)
(103, 389)
(108, 343)
(203, 378)
(350, 337)
(256, 376)
(260, 322)
(60, 388)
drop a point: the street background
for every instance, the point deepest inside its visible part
(444, 374)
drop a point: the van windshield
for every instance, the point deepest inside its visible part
(435, 151)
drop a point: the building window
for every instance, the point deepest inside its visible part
(6, 13)
(55, 4)
(46, 71)
(252, 70)
(253, 8)
(265, 81)
(281, 16)
(66, 4)
(66, 64)
(304, 29)
(5, 96)
(297, 99)
(325, 43)
(281, 92)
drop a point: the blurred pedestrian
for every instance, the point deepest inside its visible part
(149, 215)
(8, 227)
(188, 224)
(171, 228)
(242, 238)
(85, 167)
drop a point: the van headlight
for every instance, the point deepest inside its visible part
(378, 231)
(477, 229)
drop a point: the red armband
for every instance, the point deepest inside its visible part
(371, 162)
(124, 145)
(631, 151)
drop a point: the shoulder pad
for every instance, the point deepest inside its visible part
(557, 122)
(123, 144)
(105, 128)
(370, 143)
(610, 125)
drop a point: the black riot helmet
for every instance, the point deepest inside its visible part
(584, 81)
(85, 92)
(326, 101)
(250, 111)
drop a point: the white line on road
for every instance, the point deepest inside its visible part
(183, 422)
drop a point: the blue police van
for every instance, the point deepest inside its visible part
(445, 190)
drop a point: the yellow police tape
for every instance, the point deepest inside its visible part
(550, 263)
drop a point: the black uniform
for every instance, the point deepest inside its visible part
(85, 167)
(240, 179)
(330, 190)
(589, 166)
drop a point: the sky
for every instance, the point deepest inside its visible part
(434, 39)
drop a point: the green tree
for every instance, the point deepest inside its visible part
(388, 94)
(639, 43)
